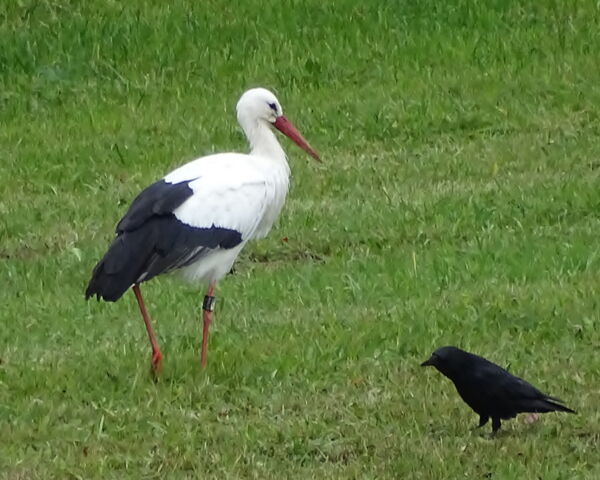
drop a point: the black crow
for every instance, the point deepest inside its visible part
(489, 389)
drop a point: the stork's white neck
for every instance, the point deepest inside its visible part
(263, 141)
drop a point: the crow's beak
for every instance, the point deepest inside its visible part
(427, 363)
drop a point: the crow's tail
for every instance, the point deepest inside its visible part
(555, 406)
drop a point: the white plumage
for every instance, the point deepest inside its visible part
(198, 218)
(244, 193)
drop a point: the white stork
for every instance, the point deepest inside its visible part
(198, 218)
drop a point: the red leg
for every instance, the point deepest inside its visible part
(156, 355)
(207, 308)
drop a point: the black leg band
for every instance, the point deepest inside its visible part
(208, 305)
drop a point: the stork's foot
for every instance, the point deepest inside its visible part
(156, 364)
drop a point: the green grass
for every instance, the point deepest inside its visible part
(458, 203)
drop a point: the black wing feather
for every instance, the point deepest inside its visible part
(151, 240)
(160, 198)
(491, 390)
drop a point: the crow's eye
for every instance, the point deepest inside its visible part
(273, 106)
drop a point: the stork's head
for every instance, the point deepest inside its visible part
(260, 105)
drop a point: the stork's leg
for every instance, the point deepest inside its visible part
(156, 355)
(207, 308)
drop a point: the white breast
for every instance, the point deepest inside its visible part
(275, 194)
(239, 192)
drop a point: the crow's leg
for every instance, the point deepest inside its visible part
(483, 419)
(495, 425)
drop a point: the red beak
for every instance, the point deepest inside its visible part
(285, 126)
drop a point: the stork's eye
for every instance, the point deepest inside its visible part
(273, 106)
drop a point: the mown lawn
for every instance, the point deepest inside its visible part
(458, 203)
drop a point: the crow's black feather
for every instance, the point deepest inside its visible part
(490, 390)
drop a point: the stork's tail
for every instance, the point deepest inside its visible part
(119, 269)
